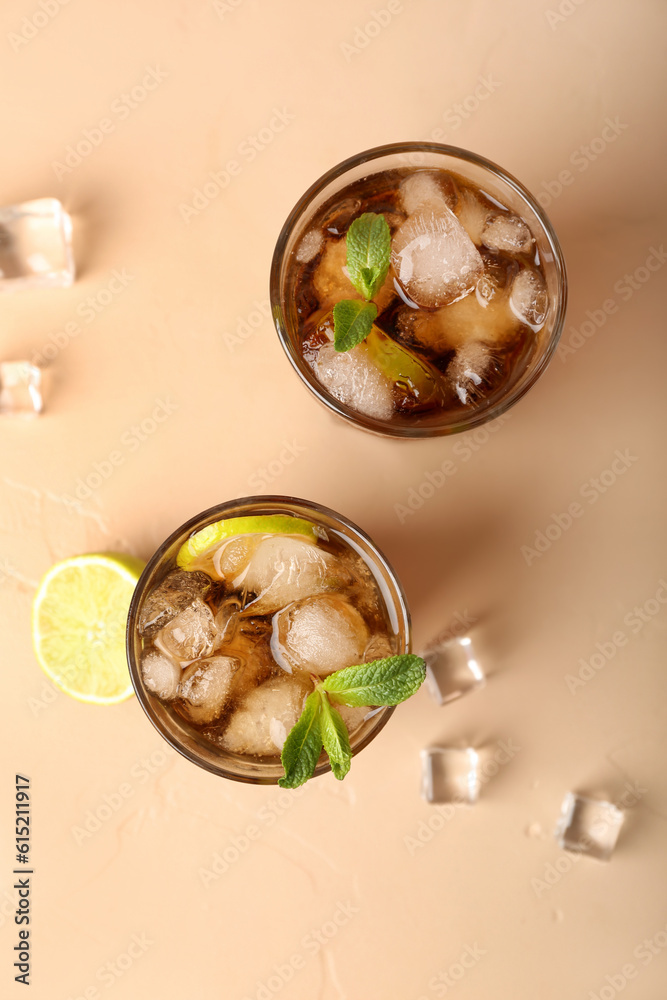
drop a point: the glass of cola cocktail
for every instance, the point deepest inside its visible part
(462, 293)
(238, 615)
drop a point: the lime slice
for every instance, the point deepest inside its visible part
(213, 534)
(421, 384)
(79, 617)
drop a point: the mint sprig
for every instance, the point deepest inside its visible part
(303, 745)
(352, 322)
(335, 738)
(381, 682)
(368, 244)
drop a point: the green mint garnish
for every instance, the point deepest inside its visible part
(353, 321)
(382, 682)
(335, 738)
(368, 244)
(303, 745)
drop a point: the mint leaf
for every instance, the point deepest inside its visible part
(367, 278)
(336, 739)
(302, 747)
(382, 682)
(368, 243)
(353, 321)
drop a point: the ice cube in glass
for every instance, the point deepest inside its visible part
(319, 635)
(434, 259)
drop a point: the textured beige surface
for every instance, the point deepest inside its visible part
(191, 328)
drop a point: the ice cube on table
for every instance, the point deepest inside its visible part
(353, 379)
(589, 826)
(452, 669)
(450, 774)
(424, 187)
(171, 596)
(284, 569)
(205, 688)
(265, 716)
(470, 369)
(310, 246)
(319, 635)
(434, 259)
(161, 674)
(35, 246)
(331, 279)
(20, 389)
(191, 634)
(503, 231)
(528, 298)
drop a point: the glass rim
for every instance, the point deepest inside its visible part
(214, 513)
(477, 417)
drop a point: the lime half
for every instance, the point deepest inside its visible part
(268, 524)
(79, 618)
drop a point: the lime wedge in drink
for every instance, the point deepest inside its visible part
(422, 384)
(212, 535)
(79, 618)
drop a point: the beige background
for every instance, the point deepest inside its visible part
(176, 333)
